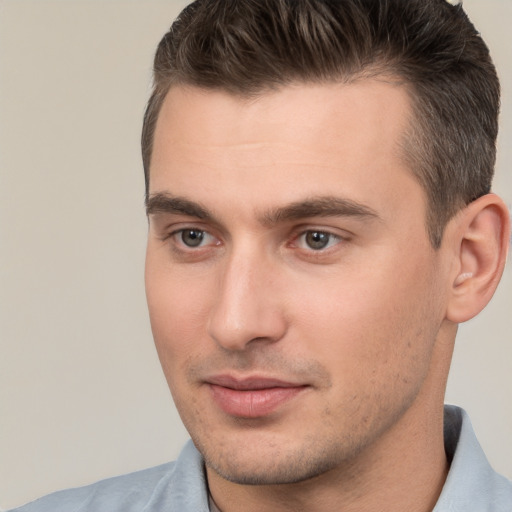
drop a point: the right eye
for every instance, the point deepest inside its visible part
(192, 237)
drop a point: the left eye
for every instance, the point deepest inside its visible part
(317, 240)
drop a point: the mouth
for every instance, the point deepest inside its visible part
(252, 397)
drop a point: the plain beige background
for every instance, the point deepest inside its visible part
(81, 391)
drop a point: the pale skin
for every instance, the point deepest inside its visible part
(287, 246)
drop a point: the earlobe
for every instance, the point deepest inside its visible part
(482, 238)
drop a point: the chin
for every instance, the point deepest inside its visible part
(272, 465)
(276, 474)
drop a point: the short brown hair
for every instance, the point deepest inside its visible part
(248, 46)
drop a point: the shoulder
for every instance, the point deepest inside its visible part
(170, 486)
(125, 492)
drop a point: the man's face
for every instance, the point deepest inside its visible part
(293, 293)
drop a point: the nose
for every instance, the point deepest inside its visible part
(247, 308)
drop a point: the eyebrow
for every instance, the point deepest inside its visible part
(324, 206)
(166, 203)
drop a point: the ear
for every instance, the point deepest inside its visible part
(481, 237)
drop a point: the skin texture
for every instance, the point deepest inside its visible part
(358, 331)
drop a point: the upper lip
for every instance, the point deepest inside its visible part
(250, 383)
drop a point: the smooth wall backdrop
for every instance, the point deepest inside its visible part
(82, 396)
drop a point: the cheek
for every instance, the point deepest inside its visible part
(176, 321)
(370, 326)
(178, 313)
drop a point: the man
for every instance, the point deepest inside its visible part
(318, 180)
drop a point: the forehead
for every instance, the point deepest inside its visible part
(282, 145)
(218, 115)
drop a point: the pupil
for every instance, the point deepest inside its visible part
(192, 237)
(317, 239)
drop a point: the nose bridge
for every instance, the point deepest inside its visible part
(246, 306)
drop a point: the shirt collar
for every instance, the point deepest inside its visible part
(472, 485)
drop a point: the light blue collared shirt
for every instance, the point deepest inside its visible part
(472, 485)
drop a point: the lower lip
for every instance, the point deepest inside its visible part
(252, 403)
